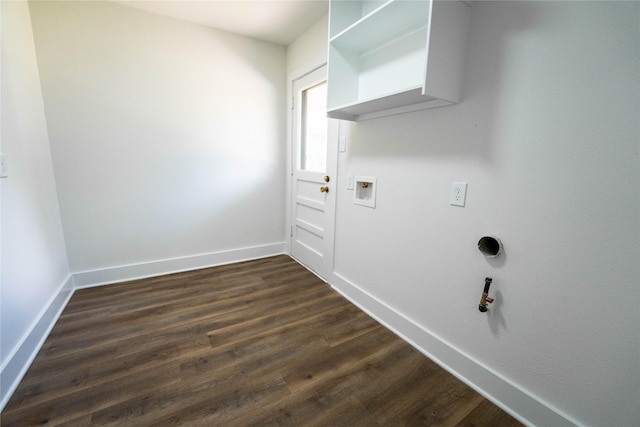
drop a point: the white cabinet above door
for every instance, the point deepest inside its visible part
(389, 57)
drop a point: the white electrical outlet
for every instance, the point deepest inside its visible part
(350, 181)
(3, 166)
(458, 193)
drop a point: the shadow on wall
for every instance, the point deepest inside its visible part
(495, 318)
(461, 131)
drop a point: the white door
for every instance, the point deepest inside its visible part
(313, 177)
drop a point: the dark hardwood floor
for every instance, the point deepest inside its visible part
(262, 343)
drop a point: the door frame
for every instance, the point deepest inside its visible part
(290, 164)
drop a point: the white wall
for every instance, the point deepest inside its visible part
(34, 268)
(310, 49)
(547, 138)
(168, 138)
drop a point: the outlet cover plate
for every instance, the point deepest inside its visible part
(350, 181)
(458, 194)
(3, 166)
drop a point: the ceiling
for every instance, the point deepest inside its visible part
(276, 21)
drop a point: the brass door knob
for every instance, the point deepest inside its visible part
(324, 189)
(327, 179)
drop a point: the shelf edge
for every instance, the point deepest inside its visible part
(359, 21)
(434, 103)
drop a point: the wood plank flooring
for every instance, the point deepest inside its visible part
(262, 343)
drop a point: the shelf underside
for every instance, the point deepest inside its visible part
(409, 100)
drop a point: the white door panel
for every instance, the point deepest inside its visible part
(314, 154)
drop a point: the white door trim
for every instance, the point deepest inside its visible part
(291, 77)
(291, 221)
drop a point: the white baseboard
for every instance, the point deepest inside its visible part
(520, 404)
(514, 400)
(122, 273)
(18, 362)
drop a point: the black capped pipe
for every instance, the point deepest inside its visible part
(484, 300)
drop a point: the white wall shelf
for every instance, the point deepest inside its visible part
(392, 18)
(389, 57)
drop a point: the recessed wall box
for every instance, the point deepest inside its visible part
(365, 193)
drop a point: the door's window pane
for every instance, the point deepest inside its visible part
(313, 141)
